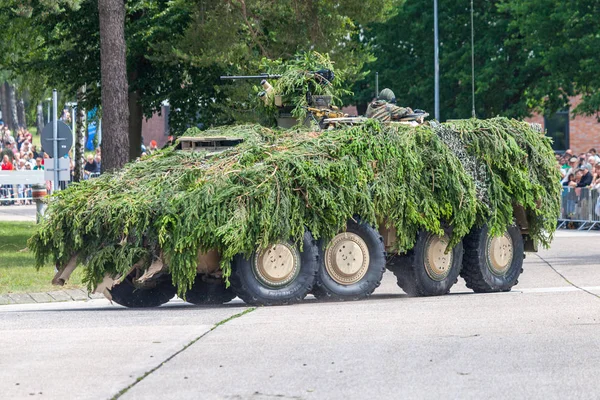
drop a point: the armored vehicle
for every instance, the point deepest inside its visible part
(273, 215)
(324, 204)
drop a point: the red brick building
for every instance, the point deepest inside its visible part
(156, 128)
(579, 133)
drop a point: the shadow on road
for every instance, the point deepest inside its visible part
(180, 304)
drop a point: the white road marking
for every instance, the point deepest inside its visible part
(575, 233)
(557, 289)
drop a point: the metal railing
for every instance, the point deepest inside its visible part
(579, 208)
(15, 186)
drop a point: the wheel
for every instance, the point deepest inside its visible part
(126, 294)
(279, 274)
(492, 264)
(427, 270)
(205, 291)
(351, 264)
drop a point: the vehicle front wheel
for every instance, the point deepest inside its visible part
(279, 274)
(209, 291)
(428, 269)
(492, 264)
(128, 295)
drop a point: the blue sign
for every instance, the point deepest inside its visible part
(92, 129)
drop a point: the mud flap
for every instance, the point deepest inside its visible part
(64, 274)
(104, 287)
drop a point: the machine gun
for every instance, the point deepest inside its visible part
(326, 76)
(261, 76)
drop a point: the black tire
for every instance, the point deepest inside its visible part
(126, 294)
(477, 269)
(248, 287)
(411, 271)
(327, 288)
(209, 292)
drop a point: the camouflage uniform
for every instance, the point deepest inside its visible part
(386, 112)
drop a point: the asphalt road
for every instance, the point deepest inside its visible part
(542, 340)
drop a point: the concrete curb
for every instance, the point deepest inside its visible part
(49, 297)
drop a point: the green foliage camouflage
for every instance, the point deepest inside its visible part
(278, 183)
(299, 80)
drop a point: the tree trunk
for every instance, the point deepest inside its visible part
(12, 108)
(39, 122)
(136, 116)
(21, 113)
(4, 103)
(80, 130)
(113, 69)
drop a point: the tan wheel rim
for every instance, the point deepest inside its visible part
(500, 254)
(347, 258)
(277, 265)
(437, 262)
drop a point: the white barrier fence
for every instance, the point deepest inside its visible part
(580, 208)
(16, 185)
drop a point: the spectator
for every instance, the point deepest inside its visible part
(26, 146)
(583, 178)
(98, 162)
(596, 177)
(564, 164)
(6, 135)
(583, 162)
(66, 116)
(592, 162)
(594, 153)
(153, 147)
(35, 152)
(90, 167)
(7, 190)
(568, 179)
(20, 139)
(8, 151)
(7, 163)
(30, 159)
(572, 168)
(38, 164)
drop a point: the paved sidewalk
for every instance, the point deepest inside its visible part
(49, 297)
(17, 213)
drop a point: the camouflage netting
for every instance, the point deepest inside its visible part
(277, 183)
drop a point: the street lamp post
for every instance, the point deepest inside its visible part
(436, 56)
(49, 101)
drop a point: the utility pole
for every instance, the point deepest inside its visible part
(55, 137)
(436, 56)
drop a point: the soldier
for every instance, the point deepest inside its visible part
(385, 108)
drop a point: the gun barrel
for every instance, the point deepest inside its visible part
(261, 76)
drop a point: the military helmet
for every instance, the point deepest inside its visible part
(387, 95)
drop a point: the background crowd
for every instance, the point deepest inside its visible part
(580, 171)
(17, 153)
(581, 186)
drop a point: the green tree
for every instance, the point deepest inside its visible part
(403, 47)
(177, 49)
(562, 41)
